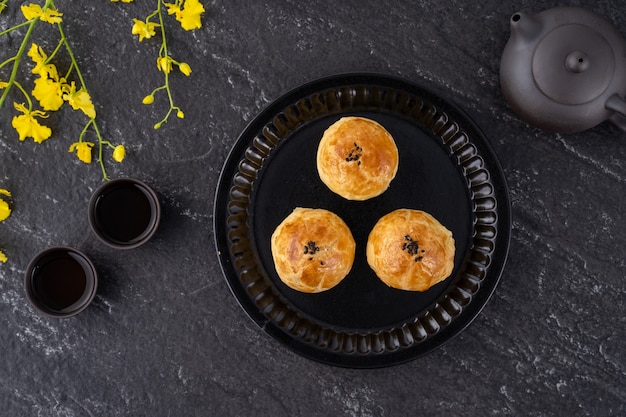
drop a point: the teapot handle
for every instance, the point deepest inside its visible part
(618, 105)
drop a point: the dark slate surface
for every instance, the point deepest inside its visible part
(165, 337)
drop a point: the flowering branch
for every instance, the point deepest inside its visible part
(20, 52)
(188, 13)
(50, 89)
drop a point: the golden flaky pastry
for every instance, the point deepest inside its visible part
(313, 250)
(357, 158)
(410, 250)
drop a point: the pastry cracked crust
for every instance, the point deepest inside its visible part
(410, 250)
(313, 250)
(357, 158)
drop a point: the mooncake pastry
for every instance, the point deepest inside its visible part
(357, 158)
(410, 250)
(313, 250)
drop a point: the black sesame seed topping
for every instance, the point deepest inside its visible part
(310, 248)
(412, 248)
(355, 154)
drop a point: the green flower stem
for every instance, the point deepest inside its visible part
(56, 49)
(154, 13)
(74, 64)
(8, 61)
(158, 89)
(82, 133)
(163, 53)
(69, 71)
(92, 122)
(101, 142)
(162, 25)
(18, 58)
(28, 99)
(12, 28)
(109, 144)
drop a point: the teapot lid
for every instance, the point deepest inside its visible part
(573, 63)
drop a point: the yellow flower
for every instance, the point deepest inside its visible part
(180, 114)
(27, 126)
(83, 151)
(5, 210)
(172, 8)
(49, 87)
(143, 29)
(119, 153)
(79, 100)
(49, 93)
(42, 69)
(33, 11)
(38, 56)
(123, 1)
(188, 13)
(164, 64)
(184, 68)
(149, 99)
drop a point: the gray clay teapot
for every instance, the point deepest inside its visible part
(564, 70)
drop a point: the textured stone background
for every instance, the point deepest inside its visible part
(164, 336)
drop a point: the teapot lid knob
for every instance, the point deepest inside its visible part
(573, 64)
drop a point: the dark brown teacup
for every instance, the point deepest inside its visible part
(60, 282)
(124, 213)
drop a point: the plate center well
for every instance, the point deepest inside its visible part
(428, 179)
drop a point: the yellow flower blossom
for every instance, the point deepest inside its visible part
(79, 100)
(42, 69)
(5, 210)
(119, 153)
(83, 151)
(149, 99)
(172, 8)
(3, 84)
(38, 56)
(180, 114)
(164, 64)
(27, 126)
(188, 13)
(184, 68)
(33, 11)
(123, 1)
(49, 88)
(143, 29)
(49, 93)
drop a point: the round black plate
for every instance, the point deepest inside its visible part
(446, 168)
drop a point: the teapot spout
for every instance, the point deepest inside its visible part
(525, 27)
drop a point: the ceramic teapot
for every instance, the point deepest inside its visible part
(564, 70)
